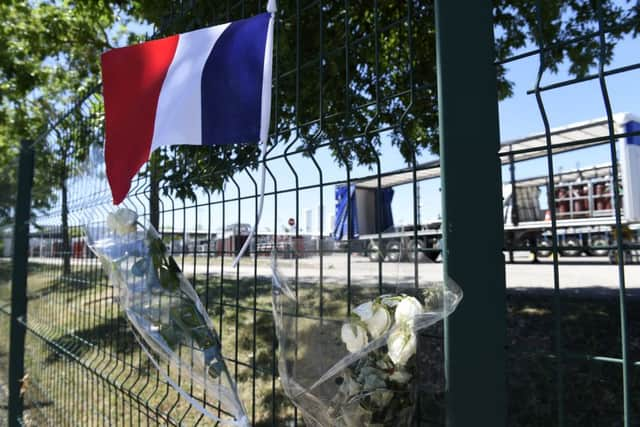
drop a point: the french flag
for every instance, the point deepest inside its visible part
(205, 87)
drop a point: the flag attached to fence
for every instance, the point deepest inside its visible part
(206, 87)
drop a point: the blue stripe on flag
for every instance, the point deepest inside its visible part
(232, 83)
(633, 127)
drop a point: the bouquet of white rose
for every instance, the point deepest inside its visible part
(169, 321)
(358, 371)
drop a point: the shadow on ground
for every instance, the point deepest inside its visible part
(565, 351)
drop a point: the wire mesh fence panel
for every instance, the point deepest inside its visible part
(573, 341)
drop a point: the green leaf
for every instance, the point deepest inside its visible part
(170, 335)
(169, 280)
(173, 266)
(156, 246)
(188, 315)
(157, 260)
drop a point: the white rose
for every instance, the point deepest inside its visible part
(407, 309)
(364, 311)
(401, 345)
(354, 336)
(400, 376)
(122, 221)
(380, 322)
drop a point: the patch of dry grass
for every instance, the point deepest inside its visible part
(85, 365)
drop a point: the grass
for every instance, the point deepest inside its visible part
(90, 369)
(30, 413)
(592, 389)
(86, 337)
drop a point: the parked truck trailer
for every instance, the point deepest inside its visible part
(582, 200)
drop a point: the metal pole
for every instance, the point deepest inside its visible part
(154, 191)
(515, 218)
(473, 258)
(515, 215)
(19, 282)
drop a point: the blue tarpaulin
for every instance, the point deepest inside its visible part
(342, 196)
(340, 227)
(633, 127)
(387, 216)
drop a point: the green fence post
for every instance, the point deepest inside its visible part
(472, 213)
(19, 282)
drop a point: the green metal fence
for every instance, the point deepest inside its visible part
(358, 90)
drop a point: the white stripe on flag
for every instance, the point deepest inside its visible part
(179, 113)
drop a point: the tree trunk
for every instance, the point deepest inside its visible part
(154, 193)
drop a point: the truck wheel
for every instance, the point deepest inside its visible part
(598, 243)
(433, 254)
(419, 255)
(436, 251)
(394, 251)
(544, 253)
(374, 252)
(569, 244)
(613, 257)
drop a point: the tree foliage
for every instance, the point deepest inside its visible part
(49, 56)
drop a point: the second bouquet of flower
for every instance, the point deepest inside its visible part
(360, 370)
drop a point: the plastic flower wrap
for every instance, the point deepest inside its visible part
(170, 322)
(352, 367)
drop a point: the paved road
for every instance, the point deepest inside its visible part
(579, 272)
(573, 272)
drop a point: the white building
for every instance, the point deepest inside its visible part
(312, 217)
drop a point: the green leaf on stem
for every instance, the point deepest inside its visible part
(168, 279)
(187, 315)
(173, 267)
(156, 245)
(170, 335)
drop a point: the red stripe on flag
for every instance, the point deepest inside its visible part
(132, 79)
